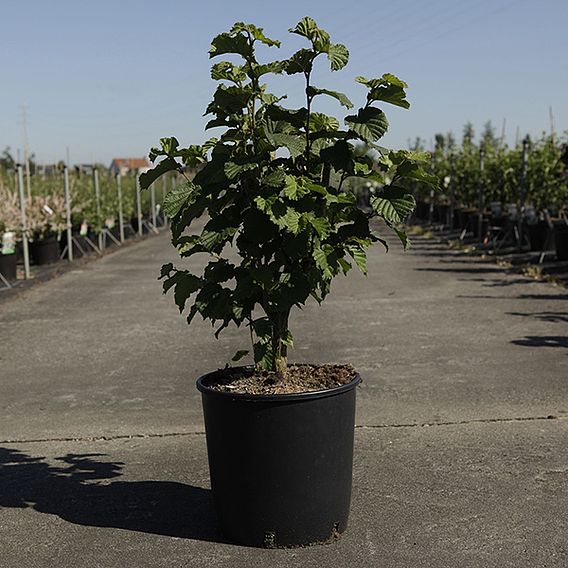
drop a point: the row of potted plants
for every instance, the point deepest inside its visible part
(46, 216)
(520, 192)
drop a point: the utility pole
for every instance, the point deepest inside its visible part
(26, 149)
(503, 132)
(552, 127)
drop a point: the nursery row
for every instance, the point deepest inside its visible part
(45, 219)
(533, 174)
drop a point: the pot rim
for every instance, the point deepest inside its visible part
(288, 397)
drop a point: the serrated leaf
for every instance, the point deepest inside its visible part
(148, 178)
(263, 355)
(320, 257)
(232, 170)
(239, 355)
(338, 55)
(186, 284)
(277, 67)
(288, 339)
(321, 225)
(401, 233)
(275, 178)
(300, 62)
(369, 124)
(177, 197)
(394, 204)
(294, 117)
(227, 71)
(165, 270)
(321, 121)
(359, 256)
(256, 32)
(340, 156)
(308, 28)
(341, 97)
(388, 88)
(294, 188)
(294, 144)
(229, 43)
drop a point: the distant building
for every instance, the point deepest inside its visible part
(125, 166)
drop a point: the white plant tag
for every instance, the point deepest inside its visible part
(47, 209)
(9, 242)
(84, 229)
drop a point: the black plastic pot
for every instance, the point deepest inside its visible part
(537, 233)
(8, 266)
(561, 241)
(280, 465)
(45, 251)
(422, 210)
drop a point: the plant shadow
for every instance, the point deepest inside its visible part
(80, 492)
(542, 341)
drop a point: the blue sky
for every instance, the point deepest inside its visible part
(108, 79)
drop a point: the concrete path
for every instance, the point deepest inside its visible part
(461, 439)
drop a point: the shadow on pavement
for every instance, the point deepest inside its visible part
(551, 317)
(465, 270)
(519, 297)
(80, 492)
(542, 341)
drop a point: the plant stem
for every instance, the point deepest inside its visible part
(308, 105)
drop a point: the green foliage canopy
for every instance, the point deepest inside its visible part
(272, 187)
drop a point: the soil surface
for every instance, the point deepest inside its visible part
(296, 379)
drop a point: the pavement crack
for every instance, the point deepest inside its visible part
(462, 422)
(102, 438)
(202, 432)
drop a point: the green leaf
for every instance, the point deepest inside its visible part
(388, 88)
(169, 145)
(239, 355)
(300, 62)
(277, 67)
(338, 55)
(340, 156)
(257, 33)
(359, 256)
(293, 189)
(165, 270)
(148, 178)
(232, 170)
(275, 178)
(401, 233)
(294, 117)
(342, 98)
(186, 285)
(177, 197)
(263, 355)
(308, 28)
(226, 71)
(230, 43)
(321, 121)
(288, 339)
(321, 225)
(294, 144)
(394, 204)
(369, 124)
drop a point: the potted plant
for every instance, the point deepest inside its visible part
(46, 221)
(279, 227)
(9, 229)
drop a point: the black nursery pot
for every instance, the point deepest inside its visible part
(561, 241)
(537, 235)
(8, 266)
(45, 251)
(280, 465)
